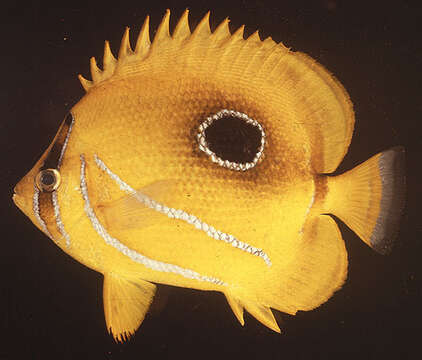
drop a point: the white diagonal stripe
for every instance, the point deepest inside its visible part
(132, 254)
(65, 143)
(184, 216)
(58, 218)
(36, 210)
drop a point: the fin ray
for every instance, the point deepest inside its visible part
(163, 32)
(125, 48)
(236, 307)
(143, 43)
(128, 212)
(262, 314)
(126, 303)
(109, 61)
(182, 30)
(370, 197)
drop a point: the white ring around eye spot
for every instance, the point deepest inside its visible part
(203, 145)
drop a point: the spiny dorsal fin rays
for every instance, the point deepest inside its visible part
(265, 61)
(222, 32)
(125, 48)
(182, 30)
(143, 43)
(86, 84)
(109, 61)
(203, 29)
(238, 34)
(230, 49)
(95, 71)
(163, 32)
(255, 38)
(199, 46)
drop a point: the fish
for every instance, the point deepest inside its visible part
(206, 160)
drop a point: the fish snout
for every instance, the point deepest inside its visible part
(19, 201)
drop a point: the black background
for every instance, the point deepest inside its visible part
(52, 305)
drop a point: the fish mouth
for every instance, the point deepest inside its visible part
(18, 200)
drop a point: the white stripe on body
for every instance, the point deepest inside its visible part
(59, 222)
(36, 210)
(184, 216)
(55, 201)
(132, 254)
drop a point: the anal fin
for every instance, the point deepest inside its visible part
(260, 312)
(236, 307)
(126, 303)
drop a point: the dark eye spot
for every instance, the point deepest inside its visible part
(47, 178)
(232, 139)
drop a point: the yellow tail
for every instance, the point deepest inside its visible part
(370, 198)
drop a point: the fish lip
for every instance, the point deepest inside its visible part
(15, 190)
(18, 201)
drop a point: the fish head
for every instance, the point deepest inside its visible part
(49, 187)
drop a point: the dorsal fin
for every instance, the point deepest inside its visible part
(95, 71)
(254, 37)
(203, 28)
(143, 43)
(125, 48)
(109, 61)
(182, 30)
(222, 32)
(163, 31)
(307, 92)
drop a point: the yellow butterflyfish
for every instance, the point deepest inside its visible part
(202, 160)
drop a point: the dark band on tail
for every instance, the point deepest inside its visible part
(392, 171)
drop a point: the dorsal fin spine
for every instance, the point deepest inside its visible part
(221, 40)
(163, 31)
(238, 34)
(182, 30)
(125, 48)
(143, 43)
(222, 32)
(86, 84)
(203, 28)
(95, 71)
(254, 38)
(109, 61)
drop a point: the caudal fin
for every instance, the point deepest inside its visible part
(370, 198)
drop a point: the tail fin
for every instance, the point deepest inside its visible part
(370, 198)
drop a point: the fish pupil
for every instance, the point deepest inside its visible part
(47, 178)
(233, 139)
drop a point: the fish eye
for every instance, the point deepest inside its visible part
(232, 139)
(48, 180)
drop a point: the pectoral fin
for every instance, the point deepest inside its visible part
(126, 303)
(132, 211)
